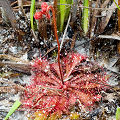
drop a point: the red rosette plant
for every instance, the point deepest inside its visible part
(48, 93)
(55, 87)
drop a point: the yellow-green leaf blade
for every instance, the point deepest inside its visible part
(117, 5)
(32, 10)
(65, 6)
(62, 13)
(13, 108)
(118, 113)
(85, 16)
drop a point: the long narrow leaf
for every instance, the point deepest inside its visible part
(118, 113)
(32, 10)
(85, 16)
(68, 7)
(64, 11)
(12, 110)
(117, 4)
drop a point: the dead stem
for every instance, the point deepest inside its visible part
(12, 83)
(65, 31)
(13, 3)
(11, 58)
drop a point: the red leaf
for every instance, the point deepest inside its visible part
(71, 61)
(48, 93)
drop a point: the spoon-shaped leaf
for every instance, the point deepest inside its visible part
(12, 110)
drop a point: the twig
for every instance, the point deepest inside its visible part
(23, 68)
(114, 37)
(34, 35)
(11, 58)
(14, 3)
(65, 32)
(12, 83)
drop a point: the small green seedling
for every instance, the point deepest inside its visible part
(118, 113)
(12, 110)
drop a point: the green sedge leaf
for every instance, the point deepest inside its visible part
(64, 11)
(13, 108)
(117, 5)
(85, 16)
(68, 7)
(118, 113)
(32, 11)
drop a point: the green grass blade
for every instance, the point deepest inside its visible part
(117, 5)
(118, 113)
(68, 7)
(32, 11)
(64, 11)
(85, 16)
(12, 110)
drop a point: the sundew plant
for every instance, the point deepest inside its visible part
(56, 87)
(48, 55)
